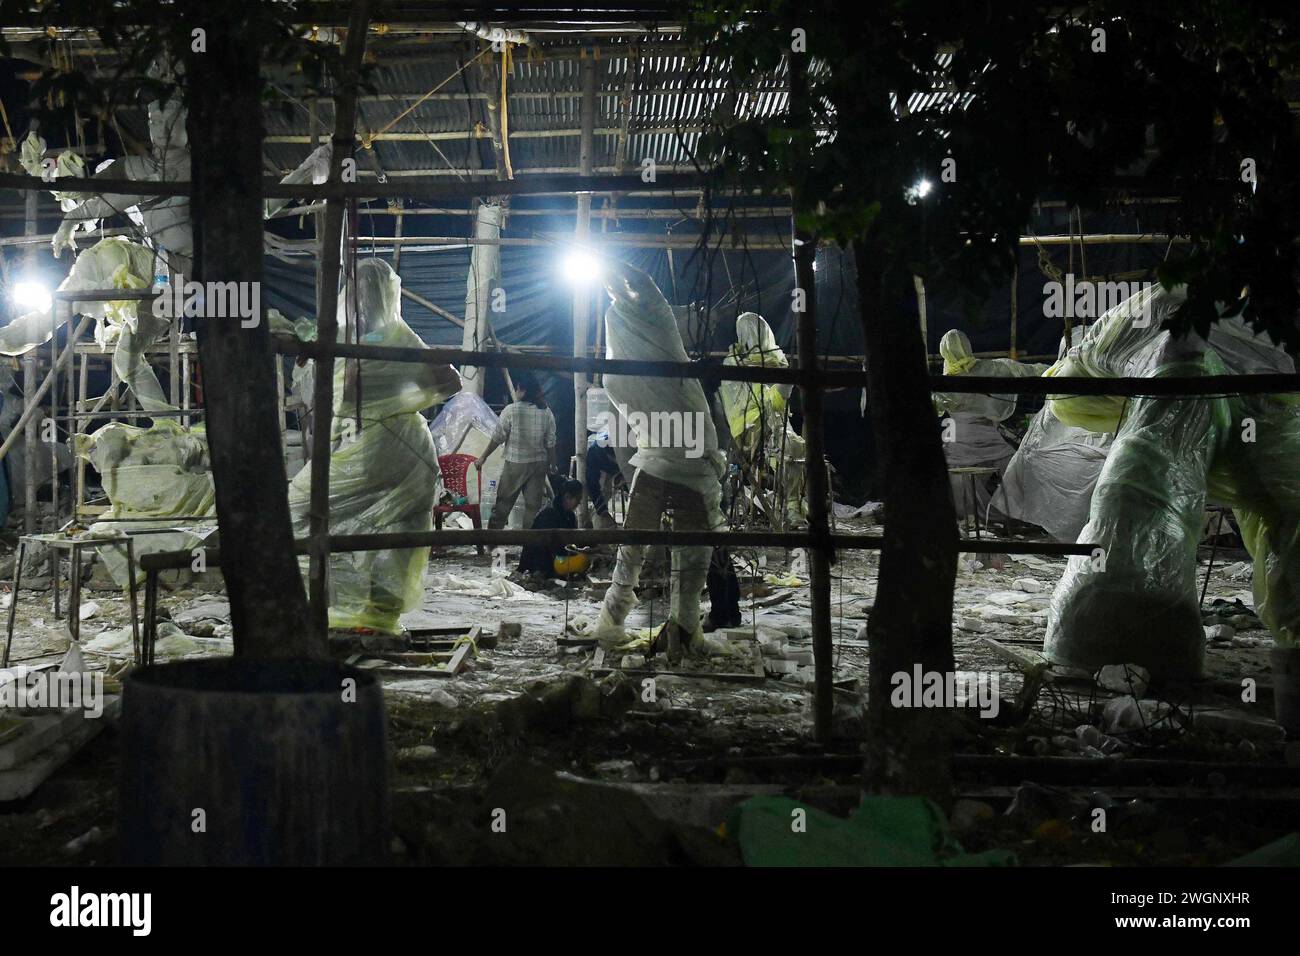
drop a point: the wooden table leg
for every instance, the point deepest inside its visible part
(135, 617)
(13, 598)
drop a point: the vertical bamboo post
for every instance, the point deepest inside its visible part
(82, 406)
(31, 442)
(345, 112)
(582, 234)
(1015, 295)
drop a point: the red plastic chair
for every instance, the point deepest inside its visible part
(454, 470)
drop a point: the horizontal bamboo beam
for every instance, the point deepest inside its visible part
(563, 537)
(1207, 385)
(407, 188)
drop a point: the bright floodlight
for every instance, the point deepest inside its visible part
(923, 188)
(30, 294)
(581, 268)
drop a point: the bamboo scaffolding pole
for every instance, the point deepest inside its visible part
(560, 537)
(32, 401)
(825, 379)
(345, 119)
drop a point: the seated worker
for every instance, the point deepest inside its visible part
(601, 461)
(548, 561)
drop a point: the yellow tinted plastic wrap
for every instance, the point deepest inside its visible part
(384, 471)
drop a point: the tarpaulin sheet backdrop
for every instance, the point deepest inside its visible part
(539, 303)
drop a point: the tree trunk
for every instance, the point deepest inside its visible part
(909, 749)
(268, 605)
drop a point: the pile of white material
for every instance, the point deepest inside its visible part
(494, 586)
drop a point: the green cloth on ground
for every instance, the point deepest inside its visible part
(882, 831)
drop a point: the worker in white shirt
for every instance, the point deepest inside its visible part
(527, 430)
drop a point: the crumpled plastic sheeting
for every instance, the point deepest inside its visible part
(151, 476)
(464, 411)
(1169, 457)
(1050, 480)
(881, 831)
(495, 587)
(640, 324)
(384, 472)
(314, 169)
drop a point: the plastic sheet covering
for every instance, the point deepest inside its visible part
(1122, 343)
(462, 412)
(1050, 480)
(757, 414)
(1137, 602)
(114, 263)
(640, 324)
(1261, 482)
(384, 468)
(165, 220)
(749, 404)
(152, 476)
(1169, 457)
(957, 360)
(976, 441)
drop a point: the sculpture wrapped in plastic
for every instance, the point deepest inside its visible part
(1050, 480)
(973, 440)
(758, 415)
(640, 324)
(114, 263)
(1135, 599)
(384, 468)
(152, 476)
